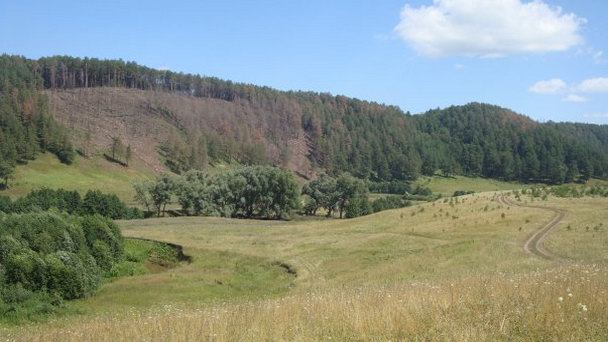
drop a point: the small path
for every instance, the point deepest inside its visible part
(534, 245)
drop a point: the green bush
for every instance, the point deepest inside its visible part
(358, 206)
(389, 202)
(53, 253)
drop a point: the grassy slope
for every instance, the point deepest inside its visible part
(347, 271)
(447, 185)
(82, 175)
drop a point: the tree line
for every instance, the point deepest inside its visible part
(260, 192)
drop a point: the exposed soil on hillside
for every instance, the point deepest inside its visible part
(144, 119)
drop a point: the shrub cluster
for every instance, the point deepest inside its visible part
(46, 257)
(94, 202)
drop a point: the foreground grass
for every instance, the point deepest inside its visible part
(82, 175)
(560, 304)
(453, 269)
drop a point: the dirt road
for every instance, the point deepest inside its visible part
(534, 244)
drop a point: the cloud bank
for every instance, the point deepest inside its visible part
(552, 86)
(574, 98)
(558, 86)
(488, 28)
(594, 85)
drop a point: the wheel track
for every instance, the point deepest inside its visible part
(534, 245)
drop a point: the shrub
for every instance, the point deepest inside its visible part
(53, 253)
(358, 206)
(389, 202)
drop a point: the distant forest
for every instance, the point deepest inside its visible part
(366, 139)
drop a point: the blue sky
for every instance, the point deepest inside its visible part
(541, 62)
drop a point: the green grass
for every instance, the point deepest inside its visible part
(82, 175)
(448, 185)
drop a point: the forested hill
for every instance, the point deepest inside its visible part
(188, 121)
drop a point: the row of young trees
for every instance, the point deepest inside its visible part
(26, 127)
(251, 191)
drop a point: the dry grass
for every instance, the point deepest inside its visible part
(449, 270)
(560, 304)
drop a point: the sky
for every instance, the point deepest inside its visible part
(547, 59)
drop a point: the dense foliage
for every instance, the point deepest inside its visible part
(368, 140)
(26, 128)
(93, 203)
(335, 194)
(390, 187)
(251, 191)
(484, 140)
(47, 257)
(348, 196)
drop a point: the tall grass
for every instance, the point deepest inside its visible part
(566, 303)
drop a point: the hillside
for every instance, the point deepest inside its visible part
(175, 121)
(148, 119)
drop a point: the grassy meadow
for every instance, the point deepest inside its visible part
(83, 175)
(453, 269)
(448, 185)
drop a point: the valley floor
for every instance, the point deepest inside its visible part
(454, 269)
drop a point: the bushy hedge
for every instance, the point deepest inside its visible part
(94, 202)
(46, 257)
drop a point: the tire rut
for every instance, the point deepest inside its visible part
(534, 245)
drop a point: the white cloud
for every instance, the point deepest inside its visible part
(594, 85)
(574, 98)
(488, 28)
(552, 86)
